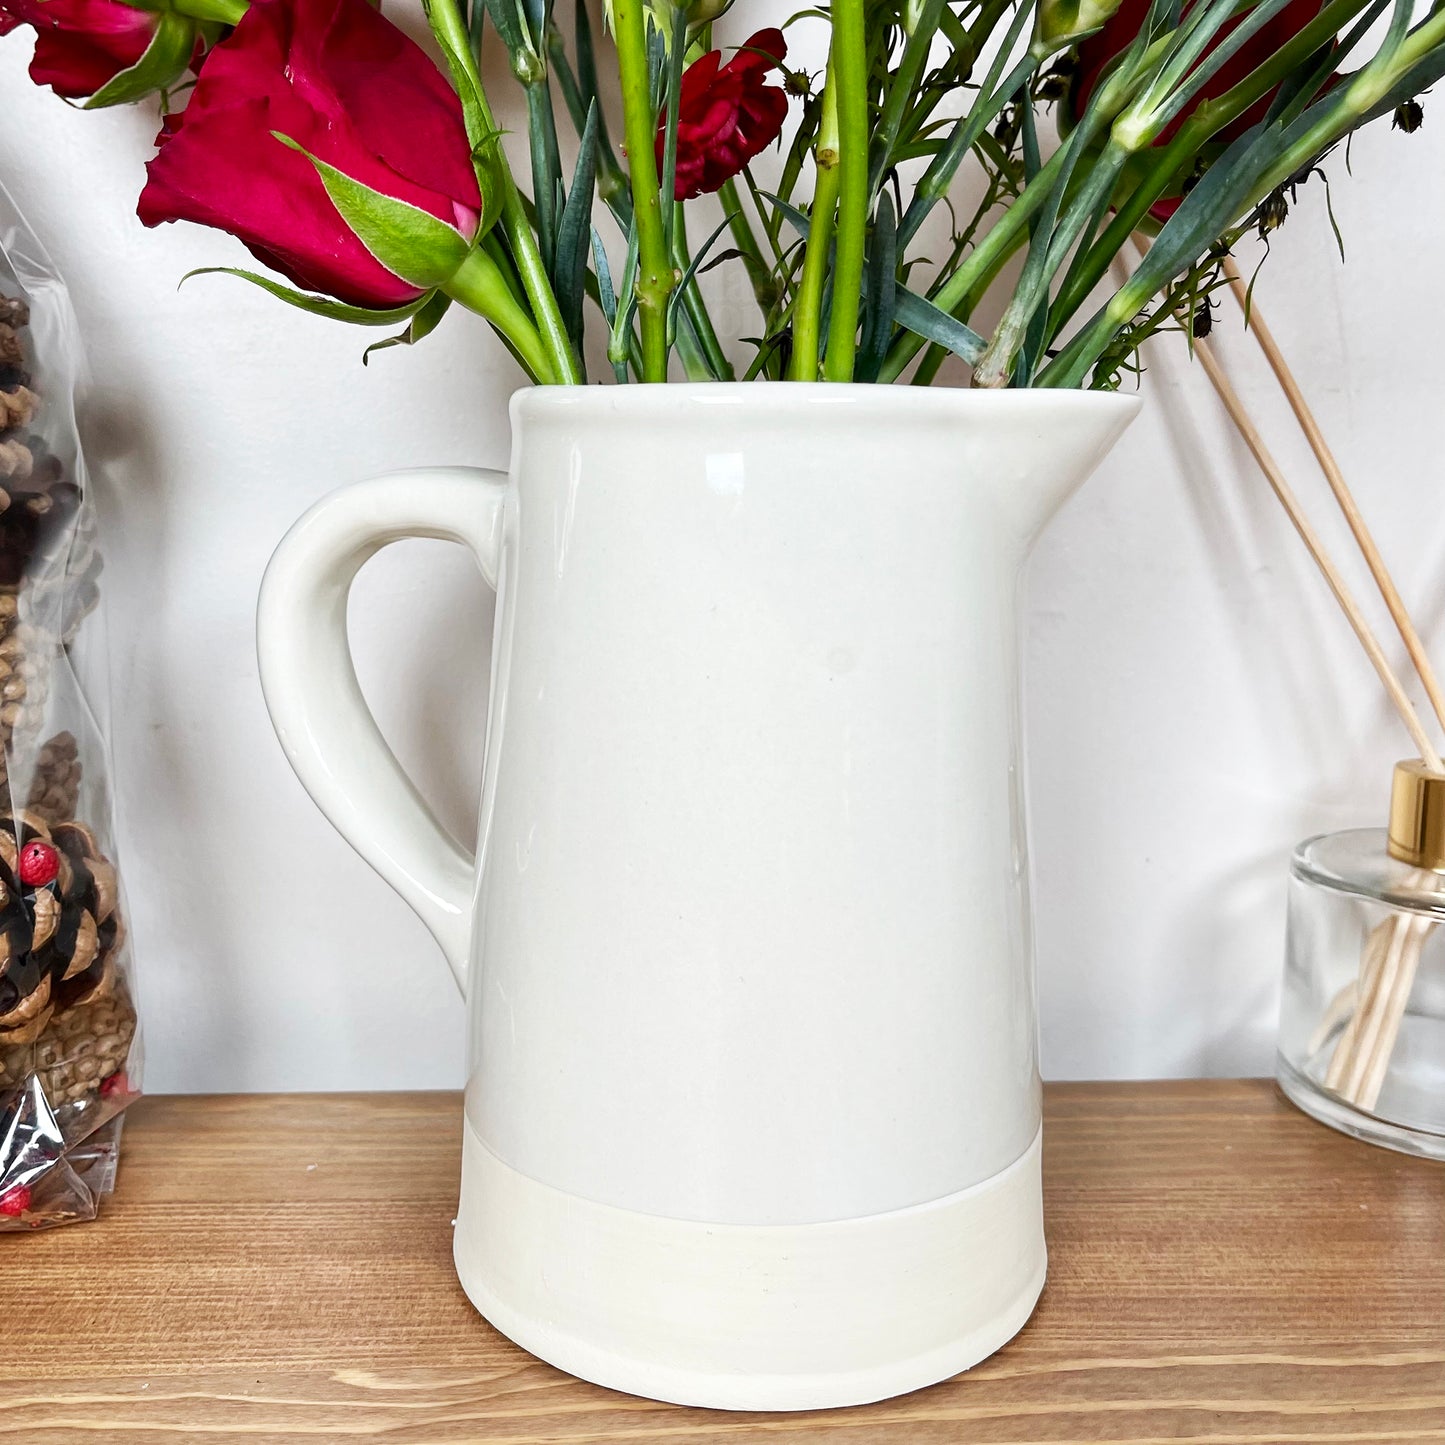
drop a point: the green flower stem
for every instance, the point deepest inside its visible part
(611, 183)
(937, 355)
(655, 275)
(902, 89)
(563, 366)
(959, 66)
(702, 328)
(992, 97)
(695, 365)
(1339, 114)
(492, 245)
(740, 228)
(546, 164)
(1174, 160)
(849, 65)
(481, 286)
(1365, 91)
(1010, 230)
(807, 315)
(1046, 254)
(983, 262)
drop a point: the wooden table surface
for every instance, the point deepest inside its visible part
(278, 1268)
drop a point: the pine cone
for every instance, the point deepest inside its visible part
(79, 1050)
(38, 508)
(55, 786)
(25, 656)
(38, 502)
(13, 370)
(57, 933)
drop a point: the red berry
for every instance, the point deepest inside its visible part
(15, 1200)
(113, 1084)
(39, 864)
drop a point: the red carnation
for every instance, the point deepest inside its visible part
(1099, 50)
(726, 114)
(348, 87)
(80, 44)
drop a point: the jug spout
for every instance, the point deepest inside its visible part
(1038, 450)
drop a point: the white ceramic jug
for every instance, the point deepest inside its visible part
(752, 1117)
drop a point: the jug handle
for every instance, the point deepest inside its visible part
(315, 700)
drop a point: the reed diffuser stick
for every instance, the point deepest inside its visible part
(1250, 433)
(1391, 955)
(1409, 633)
(1392, 1012)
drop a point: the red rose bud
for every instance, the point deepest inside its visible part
(726, 114)
(39, 864)
(326, 141)
(15, 1200)
(103, 50)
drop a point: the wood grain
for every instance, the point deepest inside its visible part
(277, 1268)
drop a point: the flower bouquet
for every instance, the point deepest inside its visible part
(378, 186)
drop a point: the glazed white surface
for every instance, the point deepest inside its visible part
(1194, 706)
(749, 938)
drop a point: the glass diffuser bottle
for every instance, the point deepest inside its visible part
(1362, 1021)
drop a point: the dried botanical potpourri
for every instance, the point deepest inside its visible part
(68, 1056)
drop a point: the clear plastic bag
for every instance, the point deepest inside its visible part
(69, 1056)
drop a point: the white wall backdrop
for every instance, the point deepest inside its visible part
(1195, 705)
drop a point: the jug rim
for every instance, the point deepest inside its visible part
(777, 397)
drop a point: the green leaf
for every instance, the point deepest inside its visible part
(619, 342)
(574, 233)
(409, 242)
(923, 318)
(606, 298)
(546, 169)
(801, 224)
(611, 182)
(163, 63)
(1035, 333)
(688, 276)
(880, 285)
(316, 305)
(667, 181)
(423, 323)
(538, 13)
(731, 254)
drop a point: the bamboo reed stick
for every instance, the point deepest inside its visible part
(1372, 957)
(1250, 433)
(1392, 1015)
(1359, 1066)
(1391, 955)
(1409, 634)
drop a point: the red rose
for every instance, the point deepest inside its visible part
(345, 85)
(726, 114)
(80, 44)
(1100, 49)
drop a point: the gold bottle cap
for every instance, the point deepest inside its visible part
(1417, 816)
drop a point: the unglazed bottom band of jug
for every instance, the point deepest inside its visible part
(752, 1317)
